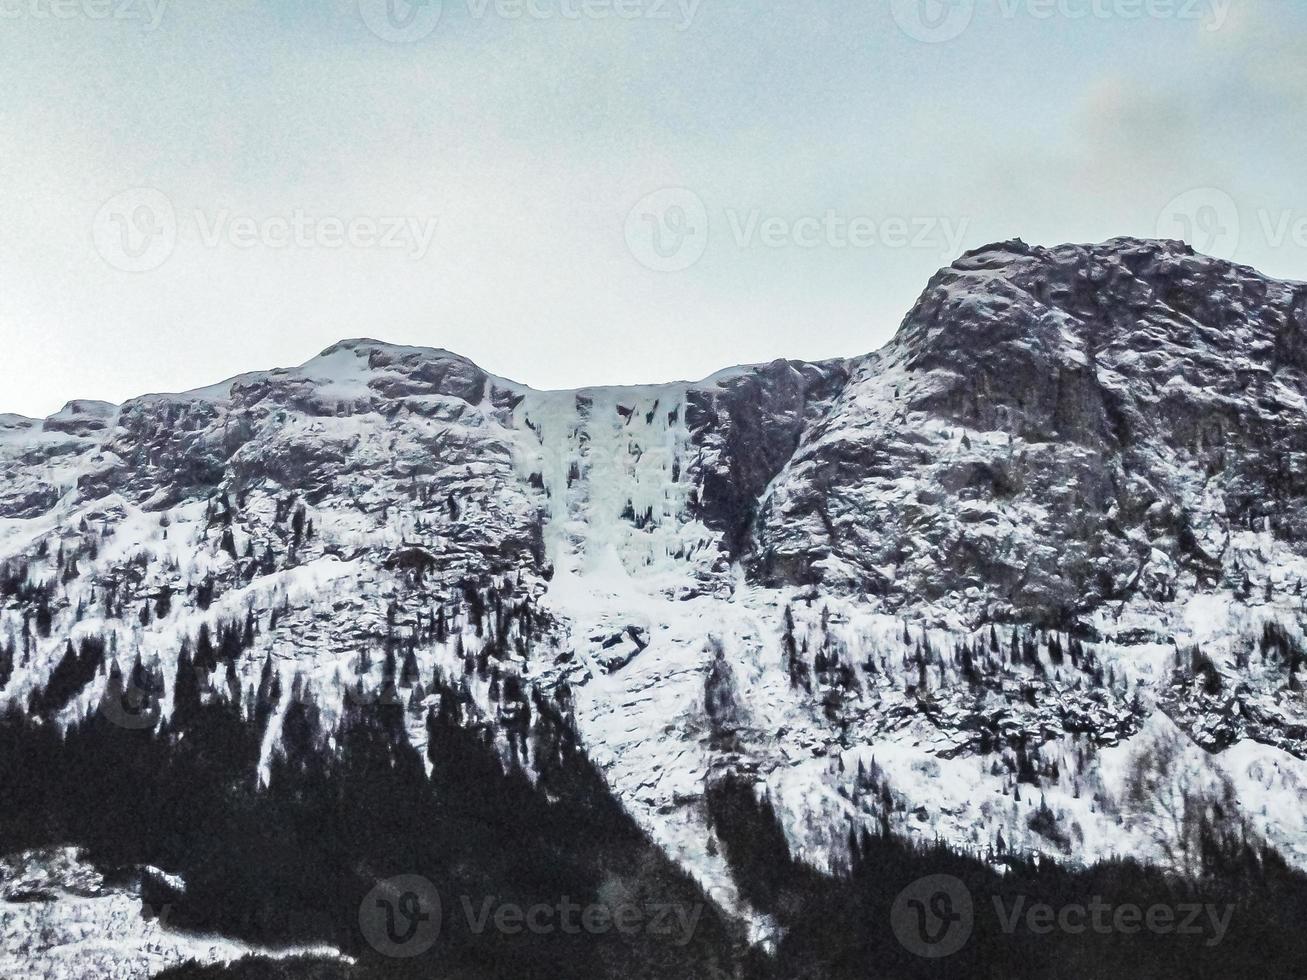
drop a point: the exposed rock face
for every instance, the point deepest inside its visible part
(977, 557)
(1052, 429)
(81, 418)
(752, 424)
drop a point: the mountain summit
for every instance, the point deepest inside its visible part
(967, 588)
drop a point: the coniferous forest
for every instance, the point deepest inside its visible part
(290, 862)
(840, 927)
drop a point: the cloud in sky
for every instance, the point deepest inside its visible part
(303, 158)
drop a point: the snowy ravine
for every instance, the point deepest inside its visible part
(971, 586)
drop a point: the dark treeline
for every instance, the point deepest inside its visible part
(841, 928)
(292, 862)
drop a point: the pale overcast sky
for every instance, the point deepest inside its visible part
(597, 191)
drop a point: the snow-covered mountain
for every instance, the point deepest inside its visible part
(1020, 580)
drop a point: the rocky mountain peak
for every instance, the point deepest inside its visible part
(1059, 518)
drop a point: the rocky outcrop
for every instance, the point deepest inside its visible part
(990, 549)
(1052, 429)
(751, 424)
